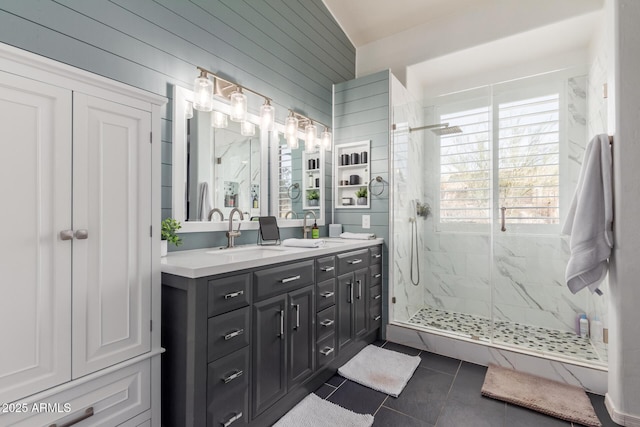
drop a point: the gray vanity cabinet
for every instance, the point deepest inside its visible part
(353, 291)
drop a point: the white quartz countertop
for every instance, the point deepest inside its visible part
(209, 261)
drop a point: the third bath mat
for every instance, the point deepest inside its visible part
(380, 369)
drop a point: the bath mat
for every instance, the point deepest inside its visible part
(380, 369)
(553, 398)
(314, 411)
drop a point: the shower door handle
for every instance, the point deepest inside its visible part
(502, 219)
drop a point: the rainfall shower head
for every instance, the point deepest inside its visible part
(439, 129)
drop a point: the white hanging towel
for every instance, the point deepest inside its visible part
(204, 202)
(590, 219)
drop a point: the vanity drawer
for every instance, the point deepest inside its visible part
(376, 295)
(228, 374)
(326, 268)
(375, 254)
(227, 333)
(230, 409)
(326, 294)
(326, 323)
(277, 280)
(352, 261)
(375, 316)
(229, 293)
(376, 274)
(106, 401)
(326, 350)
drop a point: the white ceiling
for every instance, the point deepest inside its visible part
(365, 21)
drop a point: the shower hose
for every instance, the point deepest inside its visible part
(414, 252)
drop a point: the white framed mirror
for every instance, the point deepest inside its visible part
(216, 169)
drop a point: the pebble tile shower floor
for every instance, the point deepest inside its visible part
(566, 344)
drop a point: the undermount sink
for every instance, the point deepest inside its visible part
(246, 253)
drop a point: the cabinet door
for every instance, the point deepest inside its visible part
(360, 288)
(112, 202)
(268, 367)
(35, 184)
(301, 335)
(345, 309)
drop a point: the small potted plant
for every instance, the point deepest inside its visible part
(361, 194)
(168, 234)
(313, 198)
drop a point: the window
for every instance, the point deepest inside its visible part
(508, 155)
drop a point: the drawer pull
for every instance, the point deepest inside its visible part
(87, 413)
(359, 282)
(354, 261)
(236, 374)
(377, 255)
(378, 296)
(327, 294)
(233, 294)
(327, 351)
(327, 322)
(377, 276)
(281, 324)
(290, 279)
(375, 319)
(233, 334)
(326, 268)
(233, 419)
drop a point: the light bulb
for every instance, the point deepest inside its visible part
(247, 129)
(188, 112)
(326, 139)
(203, 93)
(238, 105)
(219, 120)
(291, 127)
(292, 142)
(310, 138)
(267, 116)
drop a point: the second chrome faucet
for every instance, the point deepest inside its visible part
(231, 234)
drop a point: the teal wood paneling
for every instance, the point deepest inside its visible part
(291, 51)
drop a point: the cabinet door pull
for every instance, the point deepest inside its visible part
(350, 300)
(327, 322)
(233, 294)
(290, 279)
(359, 282)
(326, 268)
(327, 351)
(236, 374)
(296, 307)
(66, 235)
(231, 420)
(375, 319)
(354, 261)
(377, 275)
(377, 255)
(87, 413)
(281, 324)
(378, 296)
(233, 334)
(327, 294)
(82, 234)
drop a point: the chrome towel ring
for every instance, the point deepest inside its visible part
(295, 186)
(377, 179)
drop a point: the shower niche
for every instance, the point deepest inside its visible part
(352, 175)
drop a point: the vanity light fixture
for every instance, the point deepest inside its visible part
(247, 128)
(310, 133)
(292, 142)
(219, 120)
(291, 126)
(238, 105)
(188, 112)
(325, 139)
(203, 92)
(209, 84)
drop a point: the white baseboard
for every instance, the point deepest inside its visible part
(626, 420)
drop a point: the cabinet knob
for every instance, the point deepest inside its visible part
(82, 234)
(66, 235)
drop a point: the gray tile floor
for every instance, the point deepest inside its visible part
(443, 392)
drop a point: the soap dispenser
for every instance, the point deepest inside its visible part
(315, 231)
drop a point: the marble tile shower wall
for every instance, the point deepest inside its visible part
(527, 270)
(408, 173)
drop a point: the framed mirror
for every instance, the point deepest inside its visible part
(297, 184)
(216, 167)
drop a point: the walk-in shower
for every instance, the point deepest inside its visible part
(486, 264)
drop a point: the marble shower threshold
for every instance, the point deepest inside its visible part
(543, 340)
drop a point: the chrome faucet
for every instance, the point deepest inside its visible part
(216, 210)
(231, 235)
(305, 228)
